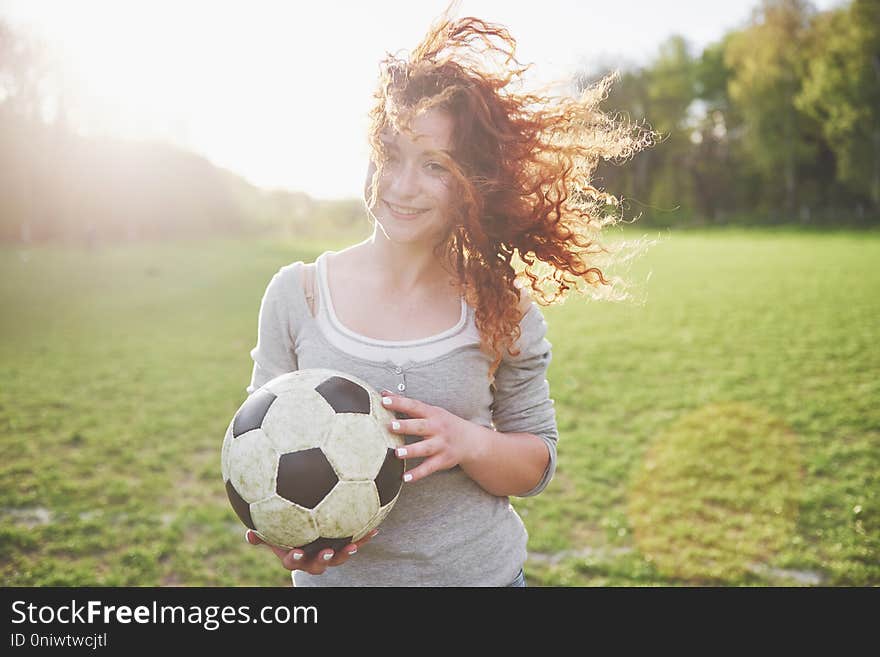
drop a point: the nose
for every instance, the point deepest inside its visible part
(403, 181)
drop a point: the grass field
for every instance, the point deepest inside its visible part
(724, 432)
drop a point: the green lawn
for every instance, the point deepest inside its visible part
(724, 431)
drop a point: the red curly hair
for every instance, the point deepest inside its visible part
(521, 163)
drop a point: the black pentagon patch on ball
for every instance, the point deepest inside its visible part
(335, 544)
(242, 508)
(344, 395)
(251, 413)
(305, 477)
(388, 481)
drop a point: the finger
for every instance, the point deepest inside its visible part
(321, 561)
(281, 553)
(343, 555)
(351, 549)
(330, 558)
(296, 559)
(425, 468)
(420, 449)
(362, 541)
(413, 427)
(291, 559)
(412, 407)
(365, 539)
(251, 537)
(314, 565)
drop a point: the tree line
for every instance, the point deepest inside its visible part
(777, 122)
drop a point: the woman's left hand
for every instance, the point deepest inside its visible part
(447, 440)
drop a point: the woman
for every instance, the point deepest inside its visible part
(430, 309)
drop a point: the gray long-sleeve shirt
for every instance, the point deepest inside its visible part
(444, 530)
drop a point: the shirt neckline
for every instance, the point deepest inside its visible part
(326, 302)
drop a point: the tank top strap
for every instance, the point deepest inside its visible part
(308, 284)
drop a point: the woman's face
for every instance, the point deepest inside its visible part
(414, 192)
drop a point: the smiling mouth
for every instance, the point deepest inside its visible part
(403, 211)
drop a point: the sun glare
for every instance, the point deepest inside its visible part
(279, 91)
(193, 74)
(121, 68)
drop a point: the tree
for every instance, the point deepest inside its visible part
(768, 62)
(659, 95)
(22, 69)
(671, 94)
(714, 160)
(841, 91)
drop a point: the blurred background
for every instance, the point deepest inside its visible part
(160, 161)
(130, 120)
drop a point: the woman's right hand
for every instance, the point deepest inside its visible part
(296, 559)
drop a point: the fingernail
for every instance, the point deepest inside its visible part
(385, 392)
(386, 401)
(401, 451)
(353, 551)
(407, 477)
(247, 535)
(297, 556)
(327, 556)
(395, 425)
(374, 532)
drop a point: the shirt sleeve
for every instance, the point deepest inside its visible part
(521, 392)
(274, 353)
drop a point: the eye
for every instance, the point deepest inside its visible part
(436, 167)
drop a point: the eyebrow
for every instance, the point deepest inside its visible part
(428, 151)
(390, 142)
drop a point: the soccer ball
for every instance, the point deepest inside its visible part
(309, 462)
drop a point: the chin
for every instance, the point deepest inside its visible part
(404, 234)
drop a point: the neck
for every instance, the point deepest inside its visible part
(401, 268)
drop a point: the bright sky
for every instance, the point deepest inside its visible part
(279, 91)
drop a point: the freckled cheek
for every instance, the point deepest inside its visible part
(434, 189)
(440, 194)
